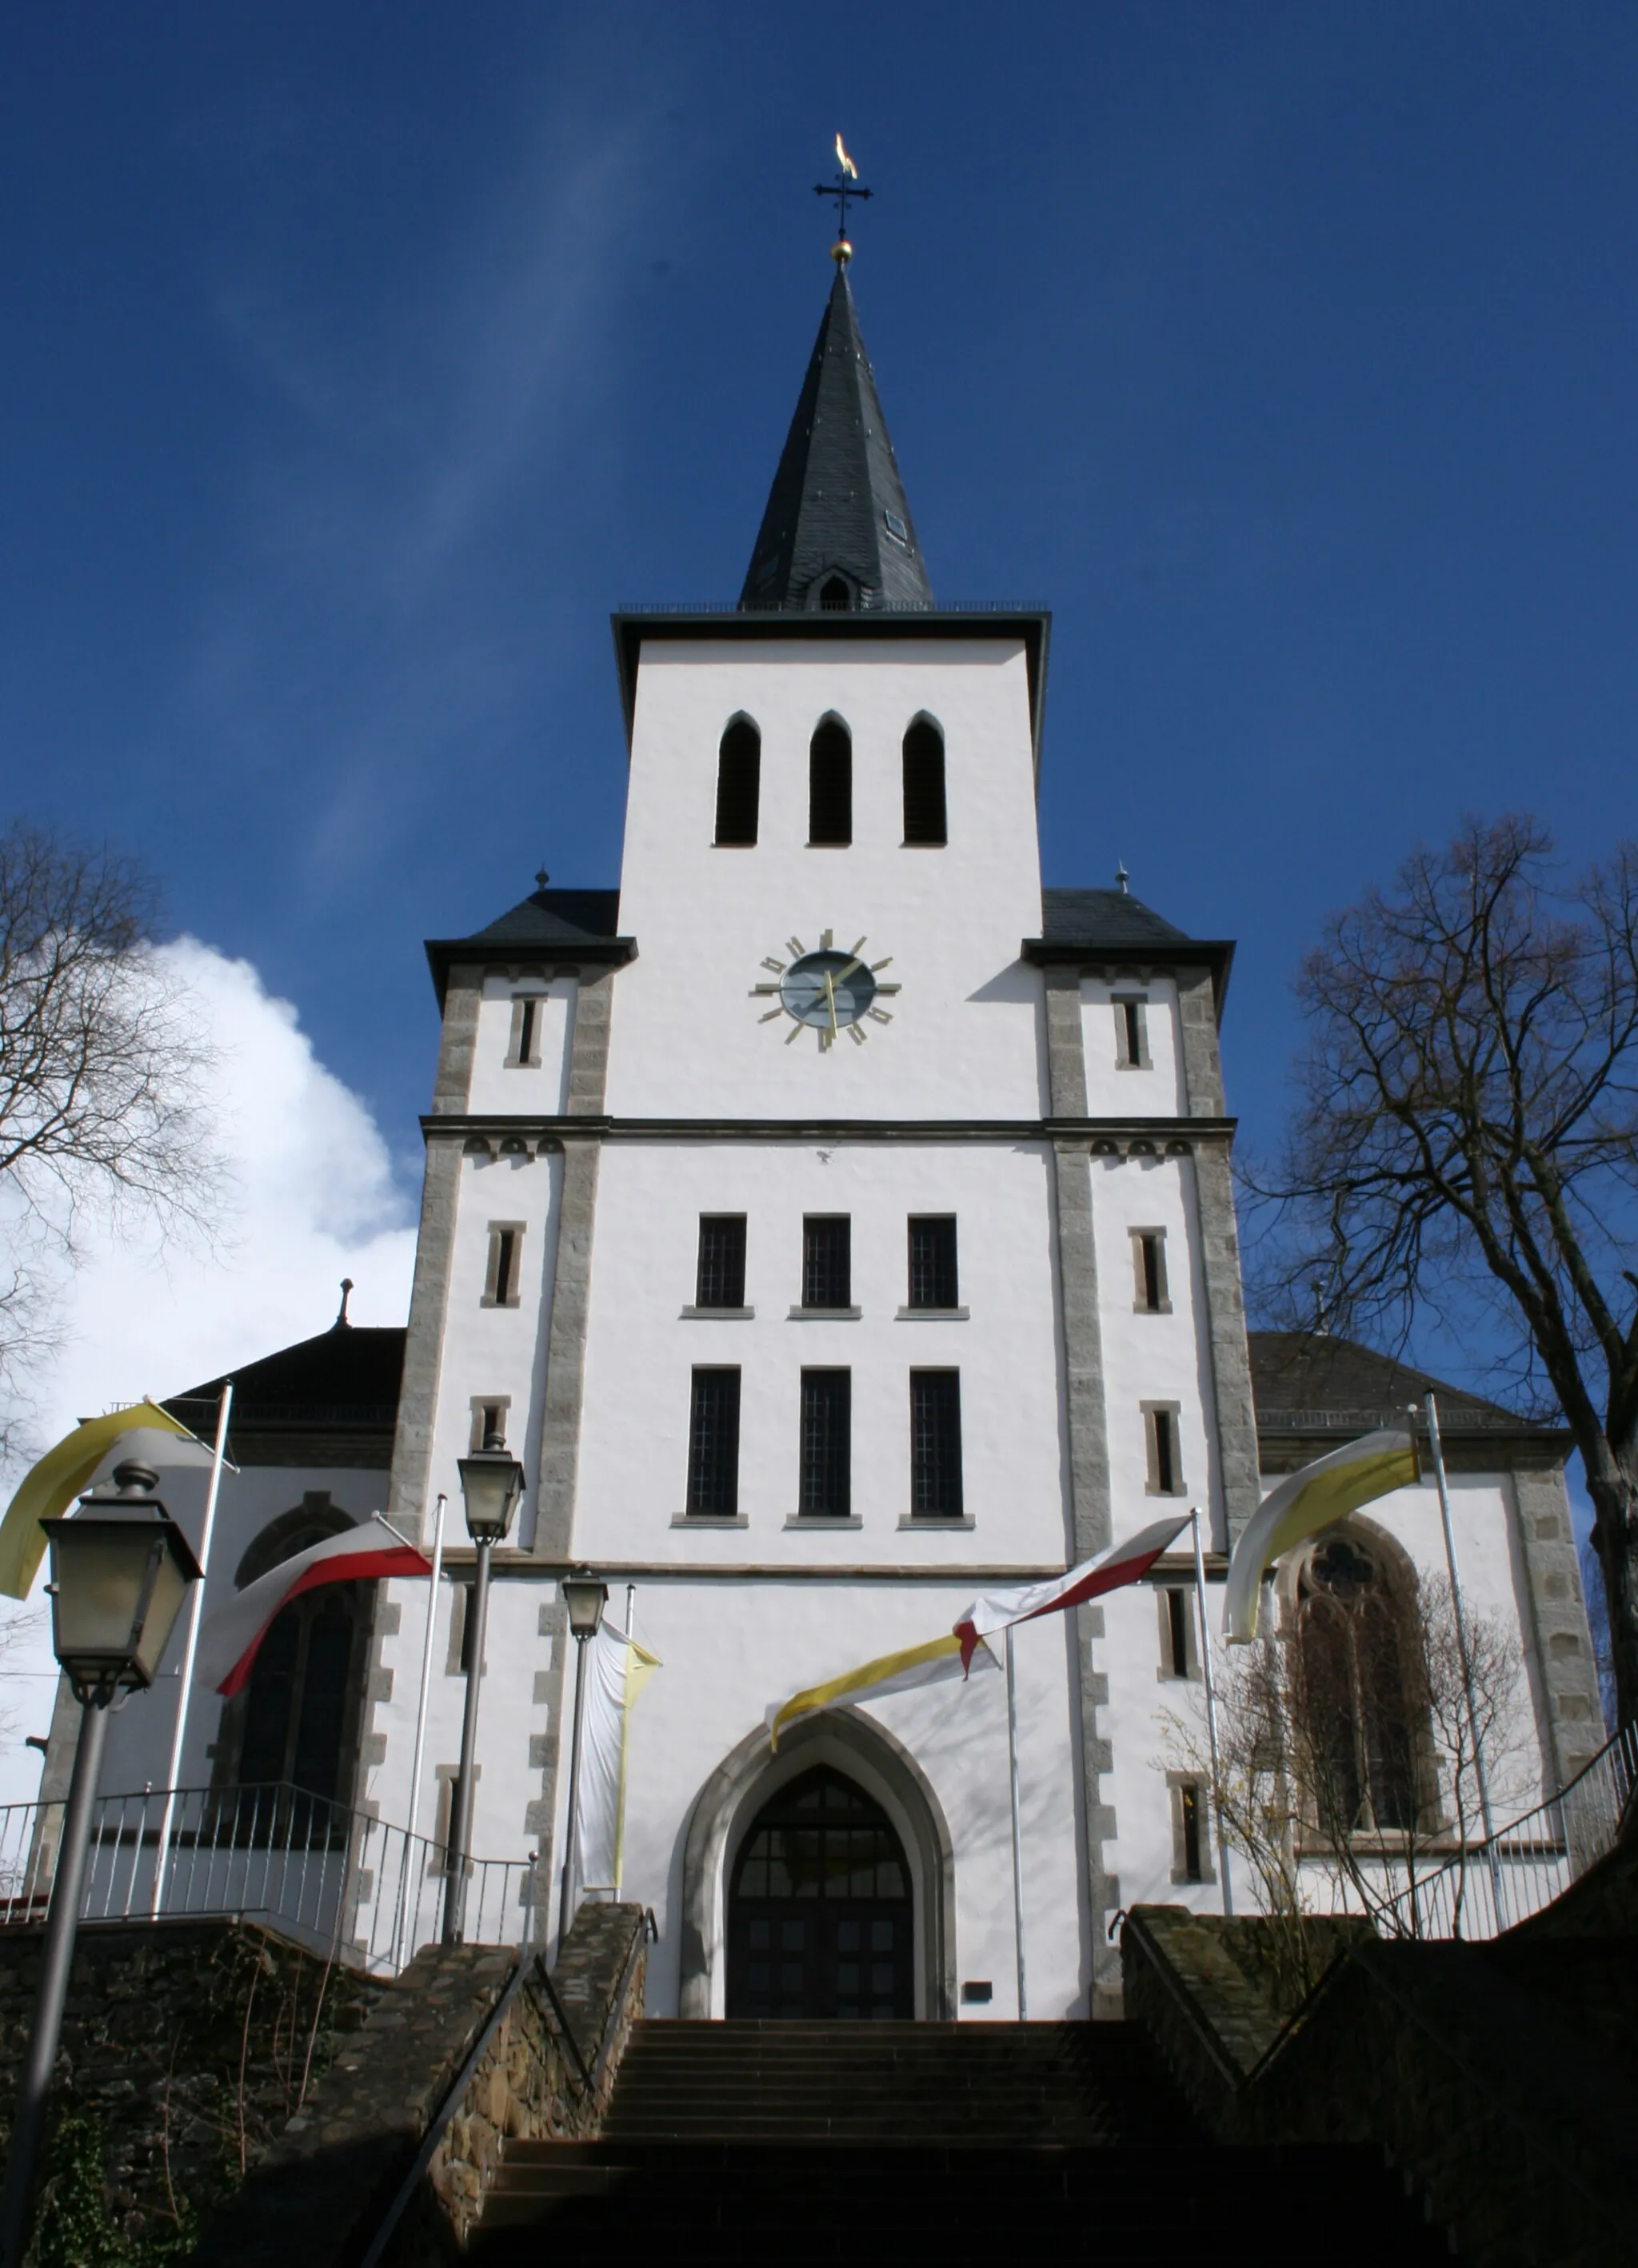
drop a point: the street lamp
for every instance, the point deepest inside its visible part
(491, 1481)
(585, 1595)
(120, 1571)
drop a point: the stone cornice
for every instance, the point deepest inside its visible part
(1169, 1137)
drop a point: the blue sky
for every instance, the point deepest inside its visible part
(361, 358)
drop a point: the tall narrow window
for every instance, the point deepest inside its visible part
(1148, 1268)
(1188, 1831)
(1176, 1614)
(935, 1443)
(827, 1259)
(489, 1418)
(719, 1281)
(1165, 1455)
(523, 1052)
(714, 1445)
(824, 1480)
(933, 1261)
(924, 783)
(739, 776)
(1132, 1036)
(506, 1252)
(830, 782)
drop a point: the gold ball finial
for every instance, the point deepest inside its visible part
(841, 252)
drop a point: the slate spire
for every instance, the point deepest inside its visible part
(837, 531)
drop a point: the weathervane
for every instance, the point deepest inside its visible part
(845, 185)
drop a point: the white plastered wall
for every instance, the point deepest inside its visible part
(1125, 1090)
(526, 1090)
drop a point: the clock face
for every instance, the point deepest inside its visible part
(826, 991)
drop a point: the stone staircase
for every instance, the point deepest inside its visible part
(861, 2142)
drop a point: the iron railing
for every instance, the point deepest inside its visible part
(1519, 1870)
(337, 1880)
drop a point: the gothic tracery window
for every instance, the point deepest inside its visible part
(1355, 1678)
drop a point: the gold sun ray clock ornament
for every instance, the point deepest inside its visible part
(826, 991)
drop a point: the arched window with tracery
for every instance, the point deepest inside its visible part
(739, 779)
(296, 1722)
(924, 783)
(830, 782)
(1357, 1684)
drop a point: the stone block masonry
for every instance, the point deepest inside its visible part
(187, 2046)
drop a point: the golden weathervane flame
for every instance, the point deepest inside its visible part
(845, 161)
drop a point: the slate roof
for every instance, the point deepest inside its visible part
(329, 1400)
(1305, 1383)
(1104, 919)
(559, 923)
(838, 501)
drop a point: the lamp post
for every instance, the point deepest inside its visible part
(585, 1595)
(491, 1481)
(120, 1571)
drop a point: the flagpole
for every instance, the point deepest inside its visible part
(1012, 1760)
(1211, 1712)
(1431, 1409)
(190, 1647)
(420, 1715)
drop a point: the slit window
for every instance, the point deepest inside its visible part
(719, 1279)
(924, 783)
(1148, 1268)
(1177, 1616)
(1132, 1033)
(830, 784)
(523, 1052)
(827, 1259)
(935, 1489)
(489, 1418)
(1188, 1831)
(1165, 1454)
(932, 1278)
(825, 1487)
(714, 1445)
(505, 1254)
(739, 780)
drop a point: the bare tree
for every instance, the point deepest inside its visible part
(1468, 1128)
(104, 1112)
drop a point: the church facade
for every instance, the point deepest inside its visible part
(836, 1224)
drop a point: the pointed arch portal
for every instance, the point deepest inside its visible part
(896, 1883)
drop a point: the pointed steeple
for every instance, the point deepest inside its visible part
(837, 531)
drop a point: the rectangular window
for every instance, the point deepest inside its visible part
(714, 1445)
(1165, 1451)
(523, 1050)
(489, 1419)
(720, 1279)
(827, 1259)
(503, 1276)
(1148, 1268)
(935, 1443)
(932, 1282)
(1176, 1619)
(1131, 1037)
(1188, 1830)
(824, 1481)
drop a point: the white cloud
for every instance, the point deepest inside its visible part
(313, 1200)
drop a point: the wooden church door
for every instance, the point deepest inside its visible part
(820, 1914)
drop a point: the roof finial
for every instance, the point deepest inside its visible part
(845, 185)
(541, 878)
(1121, 876)
(341, 1323)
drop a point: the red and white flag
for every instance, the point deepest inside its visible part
(1126, 1562)
(229, 1638)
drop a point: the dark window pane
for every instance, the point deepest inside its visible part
(830, 784)
(933, 1279)
(827, 1259)
(826, 1432)
(263, 1751)
(739, 769)
(924, 783)
(720, 1281)
(316, 1765)
(935, 1443)
(713, 1444)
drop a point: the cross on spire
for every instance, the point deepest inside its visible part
(845, 185)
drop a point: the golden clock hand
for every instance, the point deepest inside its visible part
(830, 994)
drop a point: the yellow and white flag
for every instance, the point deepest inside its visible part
(1306, 1501)
(79, 1461)
(616, 1672)
(890, 1672)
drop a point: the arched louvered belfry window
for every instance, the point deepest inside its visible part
(830, 782)
(739, 777)
(924, 783)
(835, 597)
(1356, 1679)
